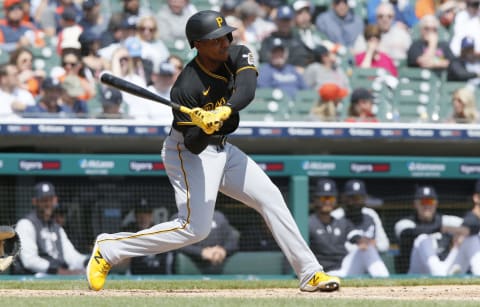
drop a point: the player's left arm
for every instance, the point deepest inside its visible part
(245, 79)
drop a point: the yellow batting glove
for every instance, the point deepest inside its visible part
(223, 112)
(206, 120)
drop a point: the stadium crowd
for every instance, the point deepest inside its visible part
(400, 56)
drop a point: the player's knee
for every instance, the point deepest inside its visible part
(199, 232)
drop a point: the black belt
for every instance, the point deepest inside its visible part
(218, 140)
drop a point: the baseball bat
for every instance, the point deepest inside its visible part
(139, 91)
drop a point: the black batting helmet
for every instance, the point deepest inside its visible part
(207, 25)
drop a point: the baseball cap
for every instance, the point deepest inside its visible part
(69, 14)
(166, 69)
(50, 83)
(88, 36)
(111, 96)
(331, 92)
(229, 5)
(134, 47)
(359, 94)
(72, 85)
(9, 3)
(143, 205)
(278, 44)
(301, 4)
(425, 192)
(468, 42)
(88, 4)
(285, 12)
(354, 187)
(44, 189)
(320, 51)
(325, 187)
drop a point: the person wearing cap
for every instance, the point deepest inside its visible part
(327, 234)
(111, 100)
(278, 73)
(151, 264)
(329, 102)
(426, 237)
(465, 21)
(14, 31)
(304, 27)
(465, 67)
(373, 57)
(340, 24)
(50, 103)
(361, 106)
(298, 55)
(12, 96)
(46, 248)
(72, 89)
(368, 238)
(240, 36)
(324, 69)
(92, 18)
(404, 12)
(141, 65)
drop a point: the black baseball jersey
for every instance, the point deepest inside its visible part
(328, 241)
(472, 222)
(198, 87)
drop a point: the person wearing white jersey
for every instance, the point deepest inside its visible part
(218, 83)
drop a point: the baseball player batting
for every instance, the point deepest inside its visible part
(218, 83)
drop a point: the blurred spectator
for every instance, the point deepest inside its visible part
(466, 20)
(153, 49)
(14, 31)
(404, 12)
(447, 13)
(72, 86)
(28, 78)
(373, 57)
(326, 109)
(394, 38)
(465, 67)
(361, 106)
(304, 27)
(163, 79)
(134, 9)
(340, 24)
(298, 54)
(92, 62)
(277, 73)
(172, 19)
(43, 12)
(11, 94)
(425, 238)
(367, 236)
(60, 8)
(429, 51)
(118, 31)
(257, 27)
(427, 7)
(239, 36)
(228, 7)
(46, 248)
(210, 254)
(72, 65)
(141, 66)
(122, 66)
(60, 214)
(324, 69)
(69, 31)
(92, 18)
(464, 107)
(50, 103)
(151, 264)
(112, 100)
(178, 65)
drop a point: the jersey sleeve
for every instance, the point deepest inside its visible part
(242, 59)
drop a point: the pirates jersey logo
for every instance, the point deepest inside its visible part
(205, 92)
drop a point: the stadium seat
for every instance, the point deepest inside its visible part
(184, 265)
(304, 101)
(180, 48)
(269, 105)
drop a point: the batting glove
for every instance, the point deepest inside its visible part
(208, 121)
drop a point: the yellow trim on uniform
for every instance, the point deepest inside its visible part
(165, 230)
(210, 73)
(246, 67)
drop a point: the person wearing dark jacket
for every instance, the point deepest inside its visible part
(461, 68)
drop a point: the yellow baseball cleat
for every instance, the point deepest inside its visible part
(97, 270)
(323, 282)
